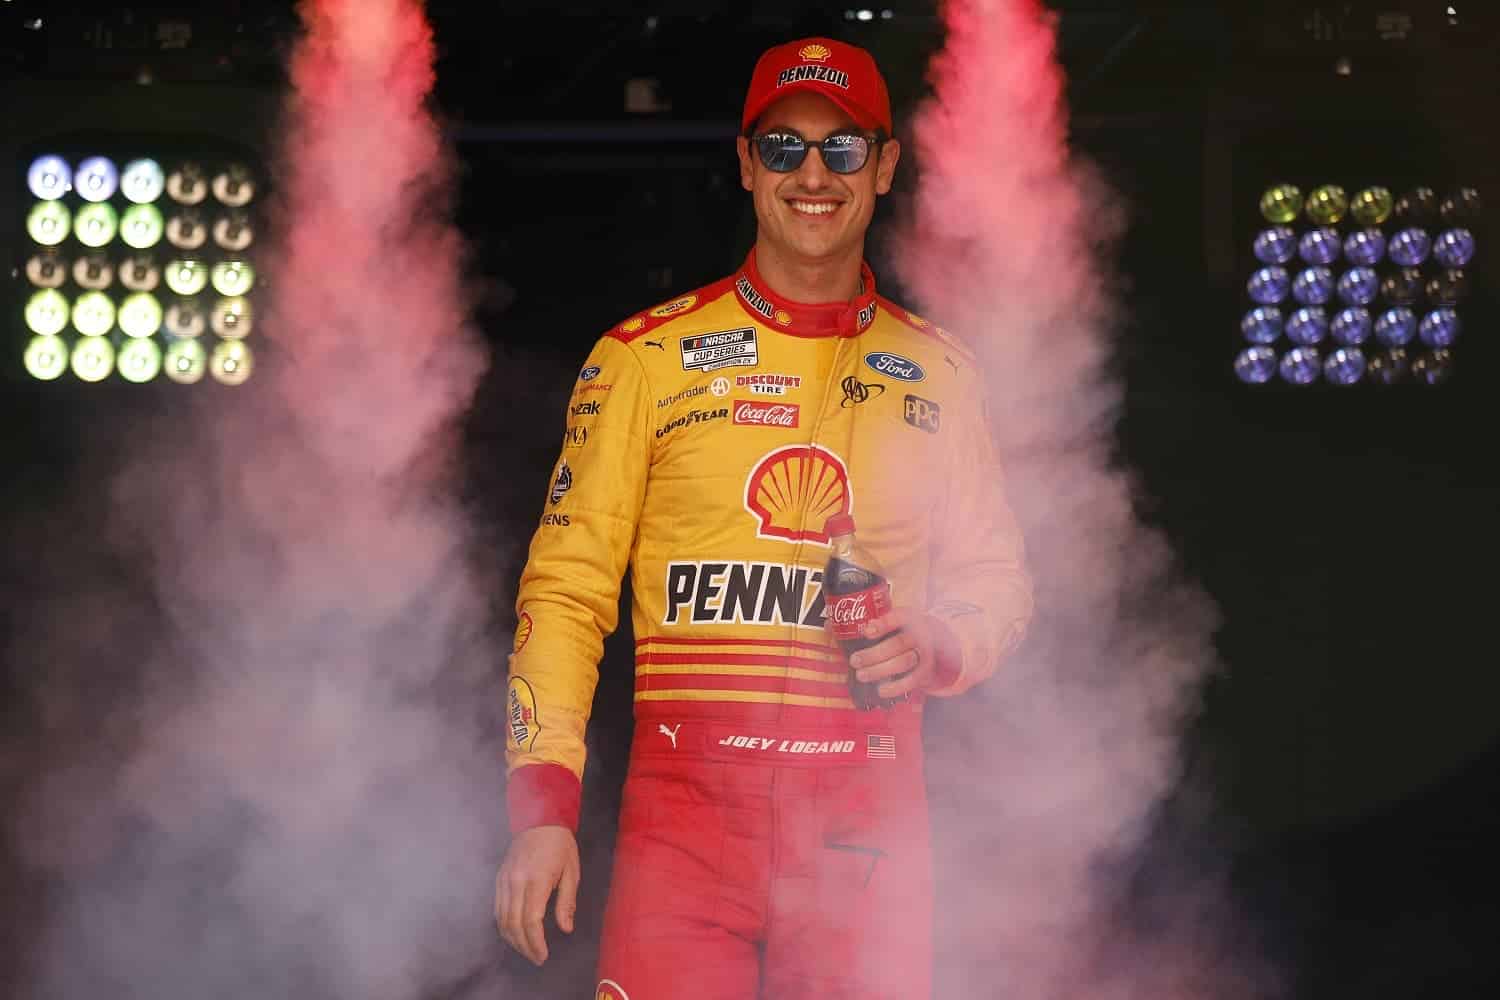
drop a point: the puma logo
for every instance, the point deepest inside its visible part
(951, 362)
(654, 343)
(670, 734)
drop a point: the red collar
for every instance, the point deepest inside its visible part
(827, 319)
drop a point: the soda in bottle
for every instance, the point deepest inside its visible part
(855, 591)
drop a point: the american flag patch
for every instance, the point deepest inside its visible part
(880, 746)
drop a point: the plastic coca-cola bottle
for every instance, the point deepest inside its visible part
(855, 591)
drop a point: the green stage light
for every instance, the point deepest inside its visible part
(142, 181)
(47, 312)
(186, 276)
(233, 277)
(231, 362)
(46, 357)
(93, 314)
(139, 361)
(93, 358)
(232, 318)
(1281, 204)
(141, 226)
(1372, 206)
(186, 361)
(48, 223)
(1327, 205)
(96, 224)
(140, 315)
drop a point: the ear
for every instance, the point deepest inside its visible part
(747, 169)
(885, 170)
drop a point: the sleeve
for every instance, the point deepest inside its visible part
(568, 600)
(980, 589)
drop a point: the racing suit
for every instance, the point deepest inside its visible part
(772, 837)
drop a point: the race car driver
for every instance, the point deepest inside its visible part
(773, 838)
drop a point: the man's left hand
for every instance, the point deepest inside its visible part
(920, 657)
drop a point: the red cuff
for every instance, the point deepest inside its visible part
(542, 795)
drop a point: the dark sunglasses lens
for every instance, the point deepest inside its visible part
(781, 153)
(845, 154)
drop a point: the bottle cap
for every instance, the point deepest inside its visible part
(839, 524)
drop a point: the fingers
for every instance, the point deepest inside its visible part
(567, 897)
(533, 908)
(915, 678)
(887, 658)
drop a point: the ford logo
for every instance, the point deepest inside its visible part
(589, 374)
(895, 366)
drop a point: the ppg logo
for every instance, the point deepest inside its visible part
(923, 414)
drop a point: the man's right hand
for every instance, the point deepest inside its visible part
(539, 860)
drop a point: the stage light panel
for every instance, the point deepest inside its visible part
(1372, 206)
(1351, 326)
(139, 273)
(1396, 327)
(49, 177)
(1403, 288)
(1301, 365)
(46, 357)
(1344, 366)
(234, 187)
(186, 185)
(1454, 248)
(186, 275)
(1262, 325)
(140, 315)
(1410, 247)
(96, 179)
(1320, 246)
(186, 230)
(93, 314)
(141, 227)
(1269, 286)
(1281, 204)
(93, 358)
(46, 269)
(1358, 286)
(1432, 367)
(1387, 367)
(1276, 245)
(233, 232)
(1448, 288)
(95, 225)
(231, 362)
(49, 223)
(1313, 286)
(1364, 247)
(1255, 365)
(47, 312)
(1327, 204)
(232, 318)
(185, 319)
(185, 362)
(1417, 207)
(1440, 327)
(142, 181)
(233, 277)
(139, 360)
(93, 272)
(1462, 207)
(1307, 326)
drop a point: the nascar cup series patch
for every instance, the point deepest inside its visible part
(706, 352)
(522, 715)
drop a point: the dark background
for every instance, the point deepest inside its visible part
(1347, 535)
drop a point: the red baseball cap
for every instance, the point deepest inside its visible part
(845, 74)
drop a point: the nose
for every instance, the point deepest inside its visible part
(814, 173)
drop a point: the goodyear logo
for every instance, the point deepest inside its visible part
(793, 490)
(523, 632)
(923, 414)
(675, 306)
(521, 713)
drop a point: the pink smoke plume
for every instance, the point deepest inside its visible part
(1049, 779)
(305, 800)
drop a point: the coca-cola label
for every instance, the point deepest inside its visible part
(848, 613)
(759, 414)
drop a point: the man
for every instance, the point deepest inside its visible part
(773, 838)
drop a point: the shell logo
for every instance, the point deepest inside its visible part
(675, 306)
(610, 990)
(794, 486)
(814, 53)
(783, 317)
(523, 632)
(632, 324)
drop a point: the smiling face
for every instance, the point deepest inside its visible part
(812, 215)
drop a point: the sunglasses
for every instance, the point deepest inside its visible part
(843, 152)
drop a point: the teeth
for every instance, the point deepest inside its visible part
(814, 208)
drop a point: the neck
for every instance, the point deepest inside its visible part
(830, 279)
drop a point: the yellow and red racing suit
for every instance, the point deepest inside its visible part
(707, 441)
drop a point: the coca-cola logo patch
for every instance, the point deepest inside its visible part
(848, 613)
(755, 413)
